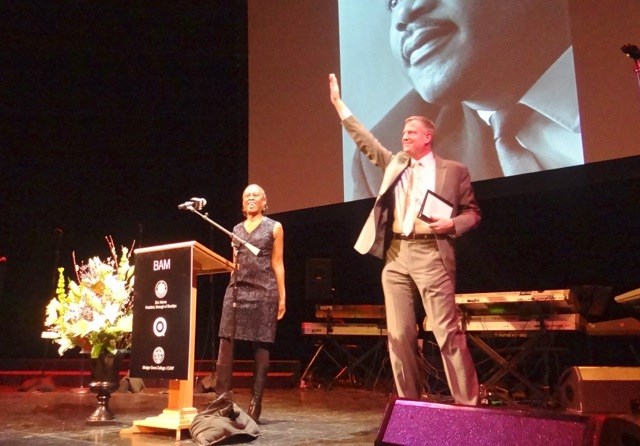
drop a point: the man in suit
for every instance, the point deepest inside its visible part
(419, 255)
(470, 61)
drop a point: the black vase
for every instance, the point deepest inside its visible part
(105, 379)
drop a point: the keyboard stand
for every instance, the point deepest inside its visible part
(359, 362)
(346, 362)
(508, 366)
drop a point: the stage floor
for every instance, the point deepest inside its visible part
(343, 415)
(289, 417)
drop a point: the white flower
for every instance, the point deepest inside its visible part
(52, 312)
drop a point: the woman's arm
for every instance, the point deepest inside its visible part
(277, 263)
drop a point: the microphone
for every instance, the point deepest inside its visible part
(193, 203)
(198, 203)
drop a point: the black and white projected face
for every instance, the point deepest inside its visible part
(461, 62)
(458, 62)
(488, 52)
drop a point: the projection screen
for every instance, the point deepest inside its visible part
(456, 62)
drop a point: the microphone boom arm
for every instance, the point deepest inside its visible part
(250, 247)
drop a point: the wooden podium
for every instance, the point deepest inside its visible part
(164, 319)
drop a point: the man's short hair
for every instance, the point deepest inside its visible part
(428, 123)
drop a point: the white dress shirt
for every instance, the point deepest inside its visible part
(424, 179)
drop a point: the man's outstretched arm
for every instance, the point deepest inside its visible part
(336, 99)
(365, 141)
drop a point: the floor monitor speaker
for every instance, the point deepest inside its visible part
(413, 423)
(605, 390)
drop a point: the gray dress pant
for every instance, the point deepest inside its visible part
(414, 270)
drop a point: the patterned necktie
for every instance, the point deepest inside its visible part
(514, 158)
(409, 213)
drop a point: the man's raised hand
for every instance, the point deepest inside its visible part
(334, 88)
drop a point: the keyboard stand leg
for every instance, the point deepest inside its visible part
(326, 344)
(303, 377)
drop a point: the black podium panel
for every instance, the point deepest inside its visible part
(161, 316)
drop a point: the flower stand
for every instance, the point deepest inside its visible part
(105, 374)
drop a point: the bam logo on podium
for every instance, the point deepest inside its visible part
(163, 264)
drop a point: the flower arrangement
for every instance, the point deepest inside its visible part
(96, 310)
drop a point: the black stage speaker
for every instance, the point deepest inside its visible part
(318, 281)
(413, 423)
(600, 389)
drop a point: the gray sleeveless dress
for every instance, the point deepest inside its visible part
(257, 292)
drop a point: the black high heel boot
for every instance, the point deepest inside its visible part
(259, 380)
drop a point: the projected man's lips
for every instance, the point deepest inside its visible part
(426, 41)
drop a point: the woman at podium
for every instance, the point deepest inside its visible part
(257, 286)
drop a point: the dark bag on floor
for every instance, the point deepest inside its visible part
(129, 384)
(223, 421)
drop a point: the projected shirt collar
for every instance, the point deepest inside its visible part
(553, 134)
(555, 94)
